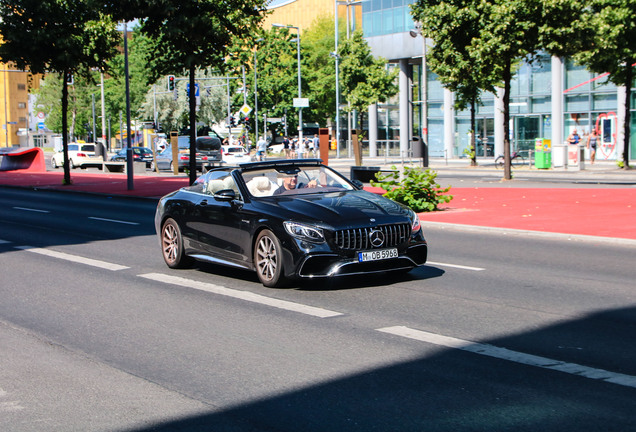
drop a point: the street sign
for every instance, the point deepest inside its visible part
(196, 89)
(245, 110)
(301, 102)
(40, 125)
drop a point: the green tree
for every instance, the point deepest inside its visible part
(139, 76)
(63, 36)
(319, 69)
(277, 74)
(453, 25)
(365, 80)
(611, 47)
(192, 34)
(79, 104)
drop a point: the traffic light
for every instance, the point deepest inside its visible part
(171, 82)
(232, 121)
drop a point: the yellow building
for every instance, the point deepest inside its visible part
(14, 87)
(302, 13)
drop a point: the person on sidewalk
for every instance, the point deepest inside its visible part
(573, 138)
(592, 141)
(261, 149)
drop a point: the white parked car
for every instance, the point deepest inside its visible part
(234, 155)
(79, 156)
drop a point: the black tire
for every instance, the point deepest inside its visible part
(172, 245)
(499, 162)
(268, 259)
(71, 164)
(54, 163)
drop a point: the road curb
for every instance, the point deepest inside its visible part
(529, 233)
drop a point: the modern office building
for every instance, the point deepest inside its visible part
(14, 113)
(549, 98)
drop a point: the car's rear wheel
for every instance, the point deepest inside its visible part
(268, 259)
(71, 164)
(172, 245)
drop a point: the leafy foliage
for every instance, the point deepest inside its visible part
(453, 25)
(64, 36)
(611, 47)
(364, 78)
(418, 190)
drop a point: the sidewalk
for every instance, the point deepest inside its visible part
(604, 207)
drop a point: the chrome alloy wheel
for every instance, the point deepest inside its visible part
(267, 259)
(172, 245)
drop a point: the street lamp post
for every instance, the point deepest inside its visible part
(300, 109)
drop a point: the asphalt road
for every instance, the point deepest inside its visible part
(496, 333)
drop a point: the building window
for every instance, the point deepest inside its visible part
(21, 105)
(21, 86)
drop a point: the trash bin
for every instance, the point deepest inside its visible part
(542, 153)
(576, 157)
(559, 156)
(420, 150)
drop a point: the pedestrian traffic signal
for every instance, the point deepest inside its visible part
(171, 82)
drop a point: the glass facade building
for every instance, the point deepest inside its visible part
(588, 101)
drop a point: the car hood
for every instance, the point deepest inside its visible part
(339, 209)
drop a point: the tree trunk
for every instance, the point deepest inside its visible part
(506, 102)
(193, 126)
(67, 168)
(473, 152)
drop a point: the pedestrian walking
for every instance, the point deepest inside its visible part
(302, 148)
(573, 138)
(261, 149)
(592, 141)
(316, 146)
(286, 147)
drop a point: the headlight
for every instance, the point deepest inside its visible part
(415, 222)
(304, 232)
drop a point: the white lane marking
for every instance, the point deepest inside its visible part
(74, 258)
(10, 406)
(242, 295)
(455, 266)
(32, 210)
(4, 241)
(113, 220)
(513, 356)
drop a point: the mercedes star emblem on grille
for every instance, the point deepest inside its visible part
(377, 238)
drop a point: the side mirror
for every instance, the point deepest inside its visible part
(225, 195)
(358, 184)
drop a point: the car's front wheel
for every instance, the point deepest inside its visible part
(268, 259)
(54, 163)
(172, 245)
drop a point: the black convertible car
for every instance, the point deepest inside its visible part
(287, 219)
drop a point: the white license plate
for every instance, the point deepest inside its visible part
(376, 255)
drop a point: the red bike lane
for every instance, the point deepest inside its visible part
(604, 212)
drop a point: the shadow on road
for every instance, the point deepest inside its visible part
(454, 390)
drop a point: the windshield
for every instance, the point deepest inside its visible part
(294, 180)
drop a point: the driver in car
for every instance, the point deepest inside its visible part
(290, 182)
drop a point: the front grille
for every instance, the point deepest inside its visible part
(360, 238)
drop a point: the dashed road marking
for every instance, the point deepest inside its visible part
(31, 210)
(113, 220)
(456, 266)
(513, 356)
(9, 406)
(73, 258)
(242, 295)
